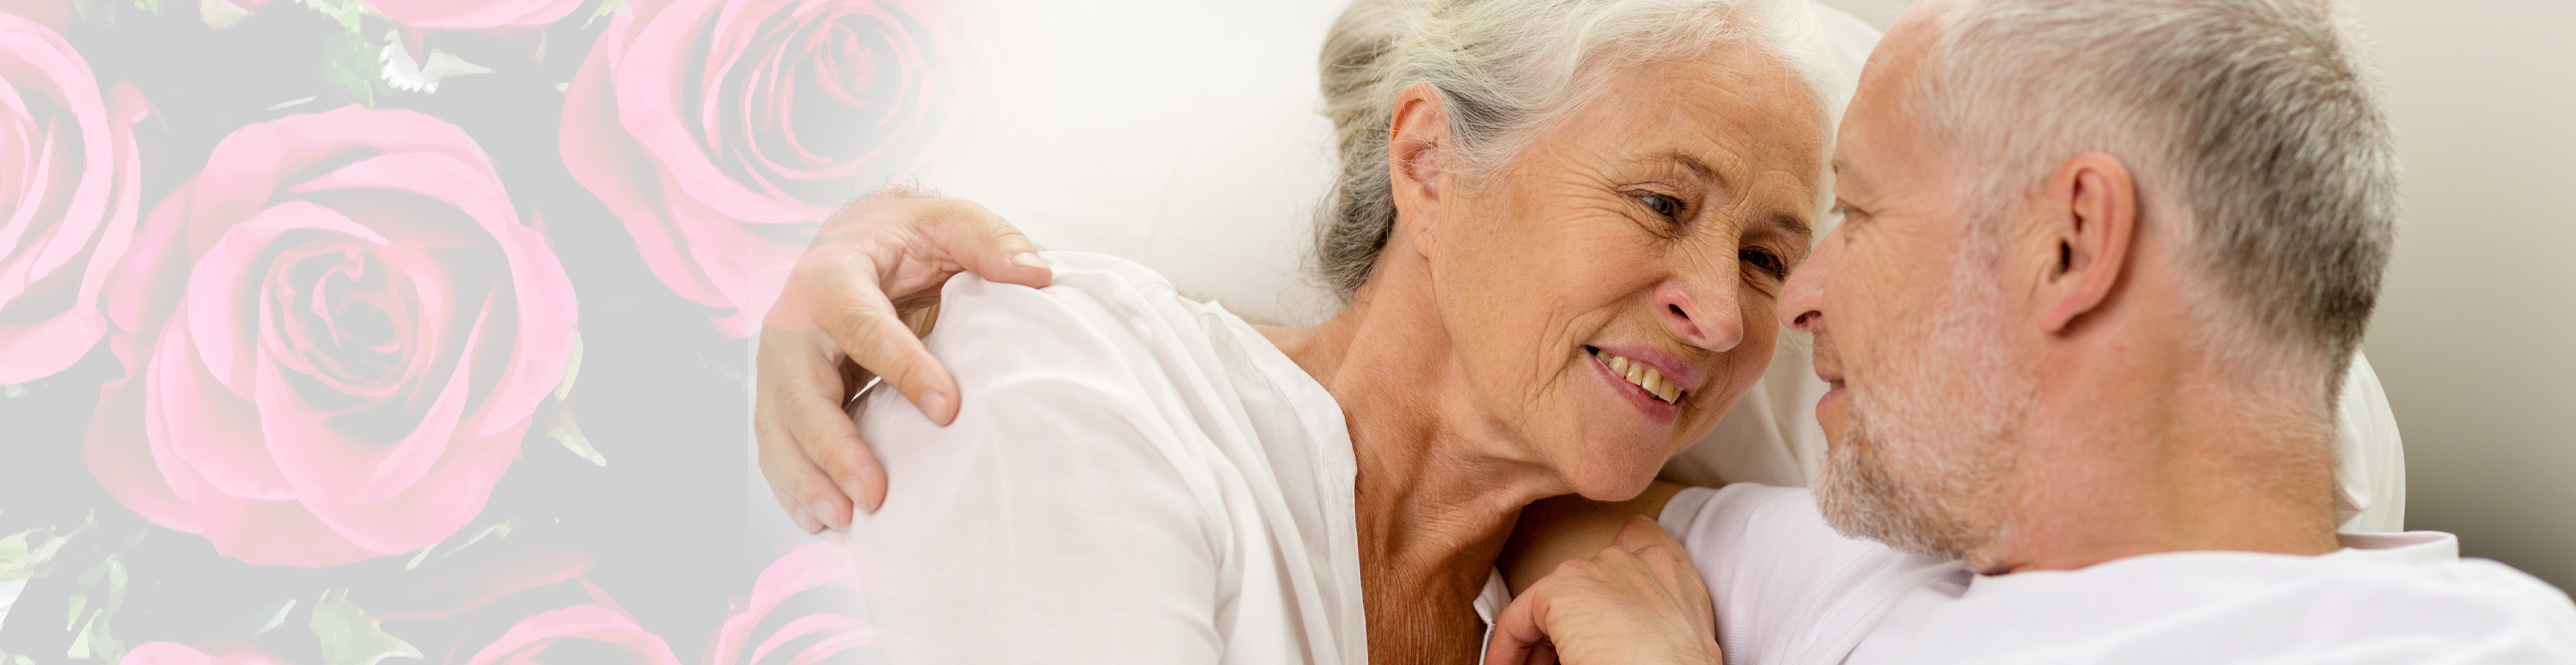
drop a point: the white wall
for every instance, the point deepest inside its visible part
(2475, 336)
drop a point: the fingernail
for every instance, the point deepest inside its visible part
(804, 518)
(1029, 259)
(935, 404)
(818, 509)
(869, 509)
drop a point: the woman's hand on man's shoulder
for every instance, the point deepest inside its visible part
(840, 321)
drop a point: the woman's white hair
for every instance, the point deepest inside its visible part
(1502, 69)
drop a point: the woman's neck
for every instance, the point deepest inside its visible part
(1438, 487)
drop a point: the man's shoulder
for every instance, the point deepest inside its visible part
(1094, 300)
(2391, 569)
(1104, 321)
(1096, 385)
(1786, 587)
(1108, 354)
(2353, 606)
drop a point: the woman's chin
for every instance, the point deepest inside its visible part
(1612, 485)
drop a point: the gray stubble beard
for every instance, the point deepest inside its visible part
(1930, 479)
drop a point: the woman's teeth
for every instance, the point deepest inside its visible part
(1644, 375)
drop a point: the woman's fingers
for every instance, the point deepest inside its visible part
(839, 308)
(1520, 632)
(831, 443)
(984, 244)
(864, 324)
(1665, 558)
(1633, 602)
(799, 420)
(783, 366)
(798, 485)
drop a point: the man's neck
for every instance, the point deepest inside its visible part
(2162, 449)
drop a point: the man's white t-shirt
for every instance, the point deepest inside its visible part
(1788, 589)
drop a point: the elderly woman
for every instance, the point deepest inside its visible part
(1559, 232)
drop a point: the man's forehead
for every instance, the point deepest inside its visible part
(1876, 114)
(1852, 166)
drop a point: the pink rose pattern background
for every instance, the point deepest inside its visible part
(386, 331)
(722, 131)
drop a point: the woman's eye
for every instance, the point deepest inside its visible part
(1766, 261)
(1662, 205)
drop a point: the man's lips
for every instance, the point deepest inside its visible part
(1828, 365)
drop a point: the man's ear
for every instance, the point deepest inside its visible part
(1417, 138)
(2090, 224)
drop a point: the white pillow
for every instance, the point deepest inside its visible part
(1183, 134)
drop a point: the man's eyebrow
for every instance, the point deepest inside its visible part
(1843, 173)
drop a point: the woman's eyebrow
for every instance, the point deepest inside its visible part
(1689, 161)
(1791, 222)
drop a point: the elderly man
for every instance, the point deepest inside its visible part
(2100, 267)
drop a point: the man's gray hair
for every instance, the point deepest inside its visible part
(2252, 127)
(1504, 68)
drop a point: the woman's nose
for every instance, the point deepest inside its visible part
(1707, 314)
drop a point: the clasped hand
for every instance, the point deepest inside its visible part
(1637, 601)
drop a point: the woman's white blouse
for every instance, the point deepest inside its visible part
(1132, 477)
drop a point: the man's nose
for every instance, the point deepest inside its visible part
(1707, 313)
(1802, 300)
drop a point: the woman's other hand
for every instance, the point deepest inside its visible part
(841, 320)
(1637, 601)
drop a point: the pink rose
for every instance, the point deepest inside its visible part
(69, 174)
(335, 336)
(528, 641)
(799, 581)
(443, 14)
(473, 14)
(173, 653)
(723, 131)
(55, 15)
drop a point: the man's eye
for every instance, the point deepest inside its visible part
(1844, 212)
(1662, 205)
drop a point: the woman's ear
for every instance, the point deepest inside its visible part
(2090, 230)
(1417, 138)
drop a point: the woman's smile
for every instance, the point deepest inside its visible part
(1643, 383)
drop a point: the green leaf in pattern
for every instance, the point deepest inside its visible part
(349, 65)
(350, 637)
